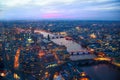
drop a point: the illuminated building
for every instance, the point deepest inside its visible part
(92, 36)
(16, 59)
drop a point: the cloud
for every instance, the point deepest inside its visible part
(40, 8)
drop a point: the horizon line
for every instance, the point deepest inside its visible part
(56, 20)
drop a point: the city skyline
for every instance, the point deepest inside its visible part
(62, 9)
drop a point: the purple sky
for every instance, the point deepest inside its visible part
(60, 9)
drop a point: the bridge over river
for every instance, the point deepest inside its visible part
(72, 47)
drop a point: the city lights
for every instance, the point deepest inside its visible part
(58, 50)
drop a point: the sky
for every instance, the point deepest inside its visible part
(59, 9)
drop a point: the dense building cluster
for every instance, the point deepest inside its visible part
(26, 54)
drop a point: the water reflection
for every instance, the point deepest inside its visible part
(71, 45)
(102, 72)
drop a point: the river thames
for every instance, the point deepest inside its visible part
(100, 71)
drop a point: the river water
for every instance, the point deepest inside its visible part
(71, 45)
(102, 72)
(97, 72)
